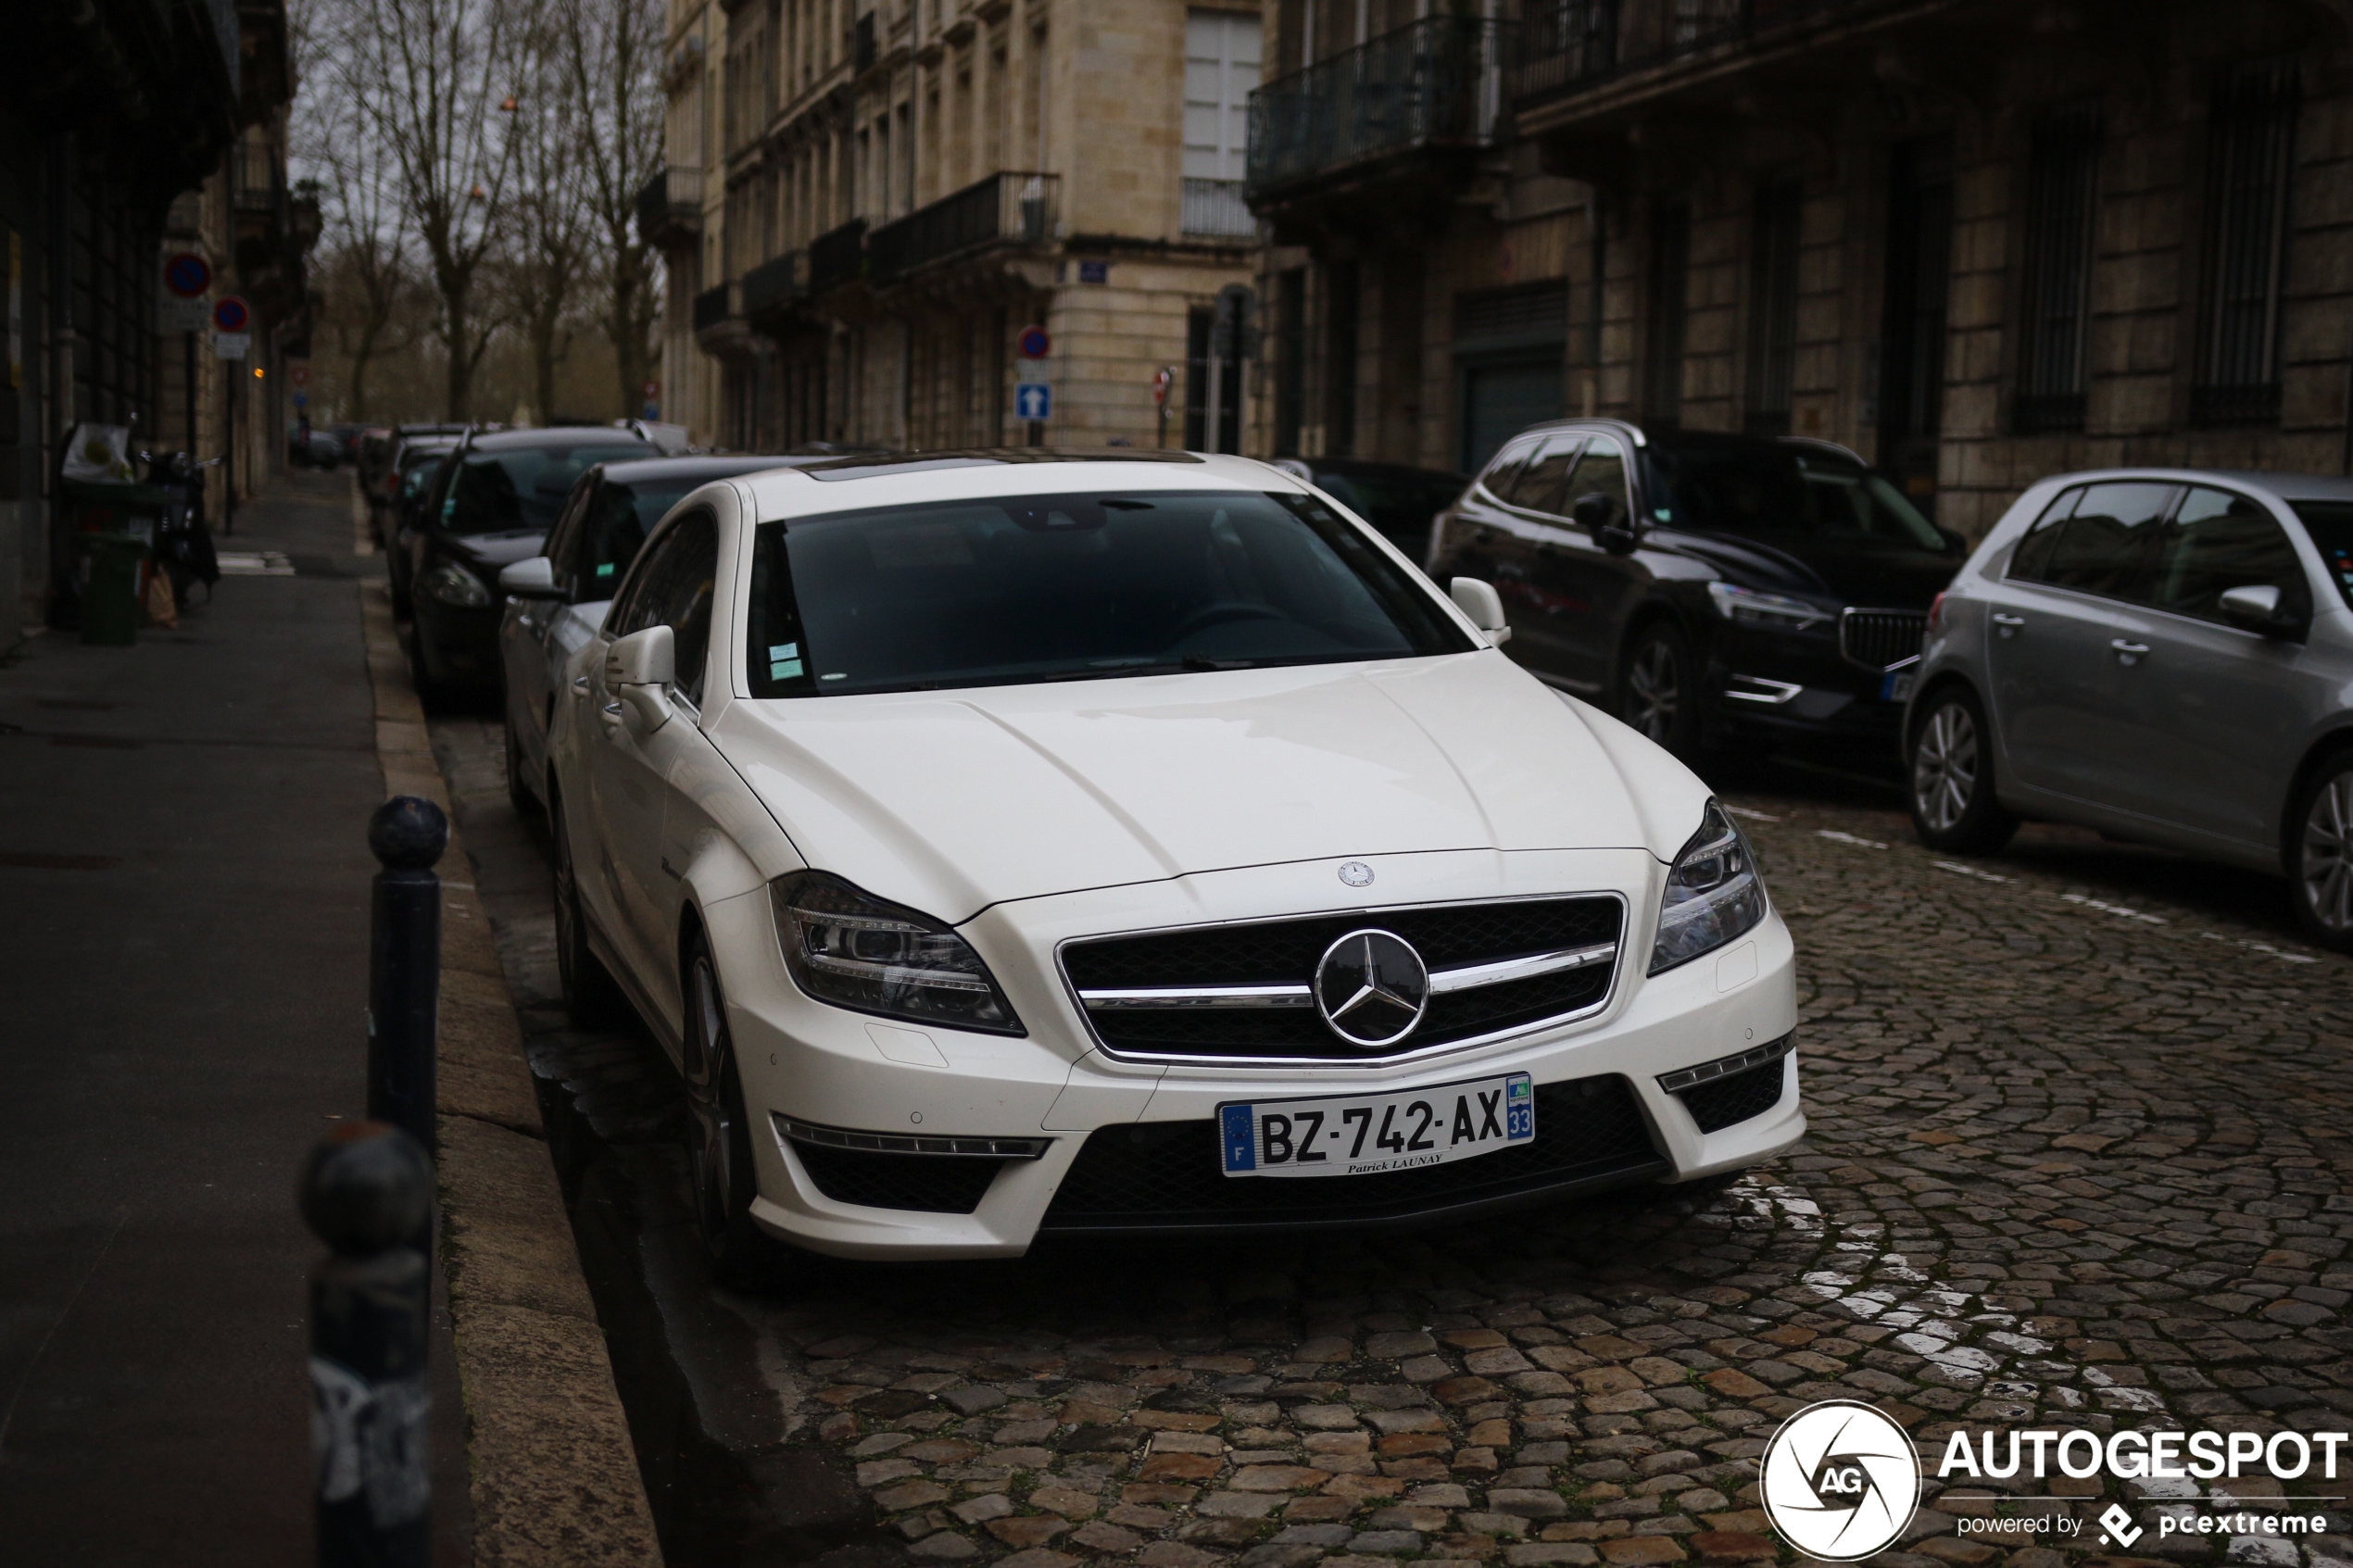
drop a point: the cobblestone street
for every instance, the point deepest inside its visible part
(2080, 1127)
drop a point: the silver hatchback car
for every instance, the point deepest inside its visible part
(2165, 656)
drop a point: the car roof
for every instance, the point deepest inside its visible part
(2282, 485)
(850, 484)
(555, 435)
(704, 466)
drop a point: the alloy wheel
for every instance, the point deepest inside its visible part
(712, 1129)
(1655, 691)
(1944, 768)
(2327, 866)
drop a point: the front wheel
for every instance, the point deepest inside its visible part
(1658, 689)
(2320, 854)
(1954, 808)
(719, 1155)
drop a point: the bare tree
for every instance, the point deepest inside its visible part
(550, 242)
(428, 76)
(612, 50)
(369, 263)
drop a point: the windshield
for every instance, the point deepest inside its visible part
(1748, 486)
(2331, 525)
(520, 489)
(1074, 587)
(625, 514)
(1400, 502)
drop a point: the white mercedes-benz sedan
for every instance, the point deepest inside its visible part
(1024, 845)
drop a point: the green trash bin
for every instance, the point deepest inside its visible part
(110, 608)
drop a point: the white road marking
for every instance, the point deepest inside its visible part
(1970, 870)
(1744, 811)
(1837, 837)
(2116, 910)
(254, 563)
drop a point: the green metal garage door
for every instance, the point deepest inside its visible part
(1501, 400)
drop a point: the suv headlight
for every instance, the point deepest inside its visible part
(453, 584)
(1713, 894)
(1752, 607)
(855, 951)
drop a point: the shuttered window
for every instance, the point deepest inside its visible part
(1772, 298)
(2062, 190)
(2250, 158)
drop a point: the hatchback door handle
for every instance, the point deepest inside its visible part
(580, 684)
(2001, 620)
(2129, 652)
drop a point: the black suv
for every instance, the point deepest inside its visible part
(1711, 590)
(491, 503)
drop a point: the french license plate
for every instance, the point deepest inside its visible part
(1356, 1135)
(1897, 686)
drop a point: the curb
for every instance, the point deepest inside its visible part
(553, 1474)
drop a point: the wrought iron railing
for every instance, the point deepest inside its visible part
(1214, 209)
(670, 204)
(1573, 45)
(1434, 83)
(837, 255)
(1015, 207)
(253, 178)
(774, 284)
(714, 305)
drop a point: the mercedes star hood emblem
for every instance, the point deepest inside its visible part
(1372, 988)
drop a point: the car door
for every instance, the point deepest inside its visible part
(2062, 604)
(1589, 590)
(1527, 525)
(2218, 714)
(631, 765)
(526, 635)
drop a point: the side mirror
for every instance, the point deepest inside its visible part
(2259, 608)
(533, 579)
(636, 669)
(1597, 515)
(1954, 541)
(1477, 598)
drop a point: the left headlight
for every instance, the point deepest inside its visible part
(1713, 894)
(453, 584)
(1753, 606)
(851, 949)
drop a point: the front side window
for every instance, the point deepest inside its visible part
(1543, 485)
(1074, 587)
(615, 528)
(2100, 545)
(2217, 542)
(2330, 526)
(675, 590)
(519, 490)
(1601, 472)
(1730, 485)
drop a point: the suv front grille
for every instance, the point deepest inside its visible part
(1879, 640)
(1227, 967)
(1166, 1175)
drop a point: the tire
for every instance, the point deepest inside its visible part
(1659, 688)
(1951, 777)
(719, 1157)
(2318, 854)
(518, 793)
(591, 997)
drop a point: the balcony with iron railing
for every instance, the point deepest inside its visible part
(1580, 59)
(714, 308)
(1213, 209)
(670, 206)
(1004, 208)
(1432, 86)
(775, 286)
(253, 185)
(838, 257)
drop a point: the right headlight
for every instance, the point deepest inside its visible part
(851, 949)
(1713, 894)
(1753, 606)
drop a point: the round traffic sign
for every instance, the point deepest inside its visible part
(1033, 344)
(298, 372)
(186, 274)
(231, 314)
(653, 389)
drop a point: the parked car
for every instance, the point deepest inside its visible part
(2163, 655)
(556, 601)
(1712, 590)
(491, 503)
(312, 448)
(1402, 502)
(1049, 845)
(413, 471)
(671, 439)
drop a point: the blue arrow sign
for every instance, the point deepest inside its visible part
(1033, 401)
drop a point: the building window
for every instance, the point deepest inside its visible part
(1290, 359)
(1198, 324)
(1772, 305)
(1221, 70)
(1919, 270)
(2250, 158)
(1343, 305)
(2061, 193)
(1668, 296)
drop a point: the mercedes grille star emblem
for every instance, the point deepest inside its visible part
(1356, 874)
(1372, 988)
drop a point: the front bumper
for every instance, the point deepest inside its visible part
(1774, 687)
(1090, 1121)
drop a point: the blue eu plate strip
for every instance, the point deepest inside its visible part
(1236, 1124)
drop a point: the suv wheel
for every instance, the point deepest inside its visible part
(1658, 689)
(1954, 808)
(2320, 854)
(719, 1155)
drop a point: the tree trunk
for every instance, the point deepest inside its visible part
(460, 396)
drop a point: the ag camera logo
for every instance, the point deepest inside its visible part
(1840, 1480)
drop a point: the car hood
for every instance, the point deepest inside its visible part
(950, 802)
(1854, 572)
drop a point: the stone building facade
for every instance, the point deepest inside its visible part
(893, 192)
(1978, 241)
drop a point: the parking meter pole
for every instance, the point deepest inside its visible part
(407, 834)
(367, 1192)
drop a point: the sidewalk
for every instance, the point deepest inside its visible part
(184, 882)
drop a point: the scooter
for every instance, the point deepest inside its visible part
(183, 545)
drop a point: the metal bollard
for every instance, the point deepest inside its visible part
(403, 964)
(367, 1192)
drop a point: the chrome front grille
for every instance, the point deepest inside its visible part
(1880, 639)
(1243, 992)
